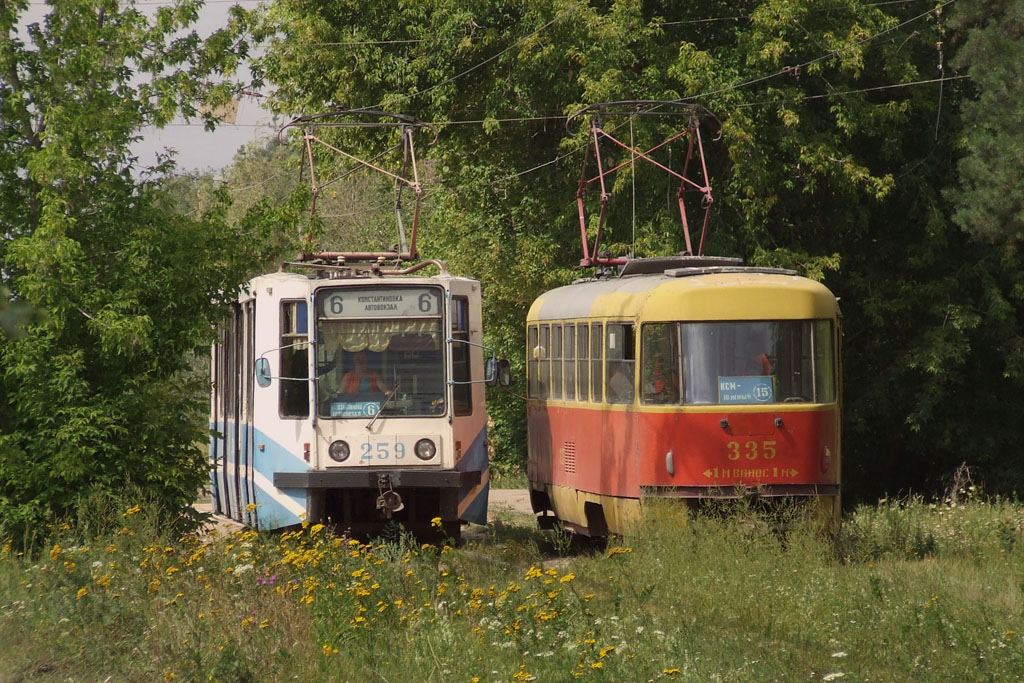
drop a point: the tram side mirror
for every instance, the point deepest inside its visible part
(497, 371)
(504, 373)
(263, 372)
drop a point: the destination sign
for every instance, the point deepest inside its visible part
(383, 302)
(355, 409)
(746, 389)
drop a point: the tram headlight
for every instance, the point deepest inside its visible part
(425, 449)
(339, 451)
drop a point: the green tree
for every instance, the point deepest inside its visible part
(93, 398)
(838, 140)
(989, 199)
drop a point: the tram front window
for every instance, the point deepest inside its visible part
(742, 362)
(392, 365)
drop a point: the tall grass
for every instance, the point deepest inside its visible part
(908, 591)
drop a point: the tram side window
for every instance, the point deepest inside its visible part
(294, 371)
(596, 356)
(229, 366)
(569, 380)
(583, 360)
(804, 367)
(659, 361)
(543, 364)
(824, 364)
(621, 363)
(556, 361)
(532, 356)
(462, 390)
(247, 358)
(233, 355)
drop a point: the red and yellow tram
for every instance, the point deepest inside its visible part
(702, 379)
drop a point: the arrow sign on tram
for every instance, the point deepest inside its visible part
(763, 472)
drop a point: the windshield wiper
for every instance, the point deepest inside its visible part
(387, 397)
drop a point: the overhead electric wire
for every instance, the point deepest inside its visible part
(490, 59)
(735, 86)
(822, 58)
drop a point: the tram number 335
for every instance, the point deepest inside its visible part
(750, 450)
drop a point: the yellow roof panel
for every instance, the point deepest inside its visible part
(733, 294)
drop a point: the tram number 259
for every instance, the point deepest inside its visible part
(381, 450)
(750, 450)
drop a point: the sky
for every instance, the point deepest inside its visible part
(197, 149)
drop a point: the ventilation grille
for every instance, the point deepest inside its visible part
(569, 457)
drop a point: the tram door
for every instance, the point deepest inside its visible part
(246, 492)
(469, 418)
(281, 416)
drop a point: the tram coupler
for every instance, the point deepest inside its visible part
(388, 502)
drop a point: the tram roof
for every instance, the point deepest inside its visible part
(727, 293)
(300, 283)
(318, 279)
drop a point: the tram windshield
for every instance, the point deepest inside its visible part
(742, 362)
(380, 350)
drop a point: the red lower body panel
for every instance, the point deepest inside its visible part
(623, 453)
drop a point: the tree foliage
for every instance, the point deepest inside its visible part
(92, 396)
(838, 143)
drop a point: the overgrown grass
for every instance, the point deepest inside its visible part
(509, 480)
(909, 591)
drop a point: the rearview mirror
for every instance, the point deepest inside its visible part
(491, 371)
(497, 371)
(263, 372)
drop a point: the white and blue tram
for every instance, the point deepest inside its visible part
(354, 398)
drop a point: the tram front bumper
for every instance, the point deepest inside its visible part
(371, 479)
